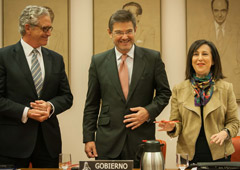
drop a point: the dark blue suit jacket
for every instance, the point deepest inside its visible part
(149, 88)
(17, 90)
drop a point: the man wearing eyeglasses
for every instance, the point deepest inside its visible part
(34, 89)
(130, 86)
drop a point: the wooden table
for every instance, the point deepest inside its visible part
(59, 169)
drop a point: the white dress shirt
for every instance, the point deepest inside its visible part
(28, 53)
(129, 61)
(218, 27)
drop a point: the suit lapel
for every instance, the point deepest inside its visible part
(189, 101)
(23, 65)
(113, 72)
(227, 38)
(138, 67)
(213, 103)
(47, 60)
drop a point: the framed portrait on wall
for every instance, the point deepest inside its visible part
(147, 15)
(219, 22)
(59, 11)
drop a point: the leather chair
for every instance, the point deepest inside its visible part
(236, 155)
(164, 148)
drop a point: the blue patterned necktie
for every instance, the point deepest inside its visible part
(36, 72)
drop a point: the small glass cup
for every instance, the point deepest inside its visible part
(65, 161)
(182, 161)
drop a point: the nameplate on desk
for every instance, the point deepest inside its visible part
(7, 167)
(106, 165)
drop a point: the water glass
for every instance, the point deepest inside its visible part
(182, 161)
(65, 161)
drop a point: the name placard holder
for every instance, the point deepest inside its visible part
(106, 165)
(7, 167)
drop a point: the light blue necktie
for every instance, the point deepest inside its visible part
(36, 72)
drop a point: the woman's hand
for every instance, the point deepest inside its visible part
(219, 137)
(166, 125)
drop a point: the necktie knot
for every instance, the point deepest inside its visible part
(220, 27)
(124, 57)
(35, 51)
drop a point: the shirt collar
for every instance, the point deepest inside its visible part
(217, 25)
(28, 48)
(130, 53)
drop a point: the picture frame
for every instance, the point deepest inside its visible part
(148, 23)
(59, 39)
(204, 20)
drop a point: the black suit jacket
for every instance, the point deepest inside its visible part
(17, 90)
(104, 85)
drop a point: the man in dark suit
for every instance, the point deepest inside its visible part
(33, 90)
(127, 112)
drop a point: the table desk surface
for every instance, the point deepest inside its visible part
(59, 169)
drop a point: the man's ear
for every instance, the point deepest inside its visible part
(135, 29)
(109, 33)
(27, 28)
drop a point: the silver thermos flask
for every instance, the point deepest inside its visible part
(152, 157)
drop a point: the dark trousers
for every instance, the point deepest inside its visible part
(40, 158)
(126, 154)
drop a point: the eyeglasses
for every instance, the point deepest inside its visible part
(121, 33)
(44, 29)
(222, 11)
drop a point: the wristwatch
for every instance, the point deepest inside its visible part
(226, 130)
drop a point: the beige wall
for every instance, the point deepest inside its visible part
(81, 42)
